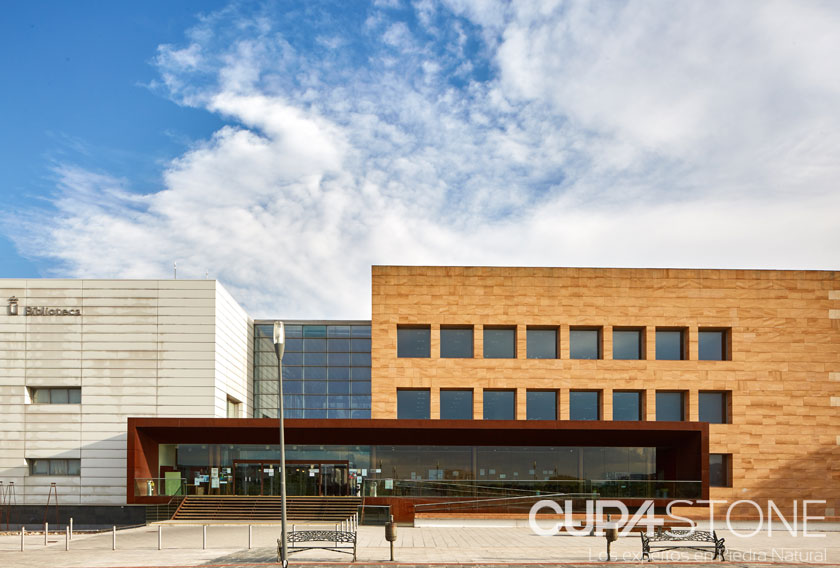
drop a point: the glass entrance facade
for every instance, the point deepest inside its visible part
(382, 470)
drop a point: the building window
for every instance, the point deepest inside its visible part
(670, 344)
(541, 405)
(720, 470)
(326, 371)
(53, 395)
(627, 344)
(414, 341)
(456, 404)
(584, 405)
(54, 466)
(456, 342)
(413, 404)
(714, 407)
(499, 343)
(585, 343)
(713, 345)
(670, 406)
(233, 407)
(542, 343)
(499, 405)
(627, 405)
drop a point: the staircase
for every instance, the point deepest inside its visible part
(244, 508)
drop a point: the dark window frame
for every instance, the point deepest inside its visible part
(428, 410)
(556, 394)
(472, 402)
(726, 466)
(642, 342)
(52, 463)
(51, 390)
(726, 405)
(442, 342)
(600, 339)
(554, 329)
(484, 403)
(487, 328)
(599, 404)
(641, 394)
(427, 328)
(726, 342)
(684, 410)
(683, 342)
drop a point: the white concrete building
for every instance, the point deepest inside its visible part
(78, 357)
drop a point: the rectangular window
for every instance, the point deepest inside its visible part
(233, 407)
(714, 407)
(413, 404)
(627, 343)
(670, 344)
(713, 344)
(585, 343)
(499, 405)
(499, 343)
(54, 466)
(414, 341)
(720, 470)
(56, 395)
(456, 342)
(456, 404)
(542, 343)
(584, 405)
(541, 405)
(670, 406)
(627, 405)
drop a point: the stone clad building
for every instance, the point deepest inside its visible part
(622, 383)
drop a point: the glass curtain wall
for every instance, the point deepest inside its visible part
(326, 371)
(246, 469)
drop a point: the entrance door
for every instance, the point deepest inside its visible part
(262, 477)
(248, 478)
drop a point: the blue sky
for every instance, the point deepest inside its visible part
(285, 147)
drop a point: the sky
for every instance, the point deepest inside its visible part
(285, 147)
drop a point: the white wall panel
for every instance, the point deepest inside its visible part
(140, 348)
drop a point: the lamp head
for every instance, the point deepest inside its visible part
(279, 338)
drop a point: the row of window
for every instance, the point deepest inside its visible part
(55, 466)
(543, 343)
(56, 395)
(457, 404)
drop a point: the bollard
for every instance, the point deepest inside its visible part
(250, 536)
(391, 534)
(203, 537)
(611, 534)
(46, 533)
(67, 538)
(114, 537)
(160, 537)
(71, 528)
(22, 532)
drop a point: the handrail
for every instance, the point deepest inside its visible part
(492, 501)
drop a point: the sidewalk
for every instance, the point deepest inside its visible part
(228, 545)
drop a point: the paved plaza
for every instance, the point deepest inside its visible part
(227, 545)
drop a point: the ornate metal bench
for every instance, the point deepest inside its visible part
(676, 539)
(336, 541)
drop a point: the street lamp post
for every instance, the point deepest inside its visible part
(279, 348)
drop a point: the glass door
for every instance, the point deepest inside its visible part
(248, 478)
(260, 477)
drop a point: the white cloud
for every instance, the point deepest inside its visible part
(593, 134)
